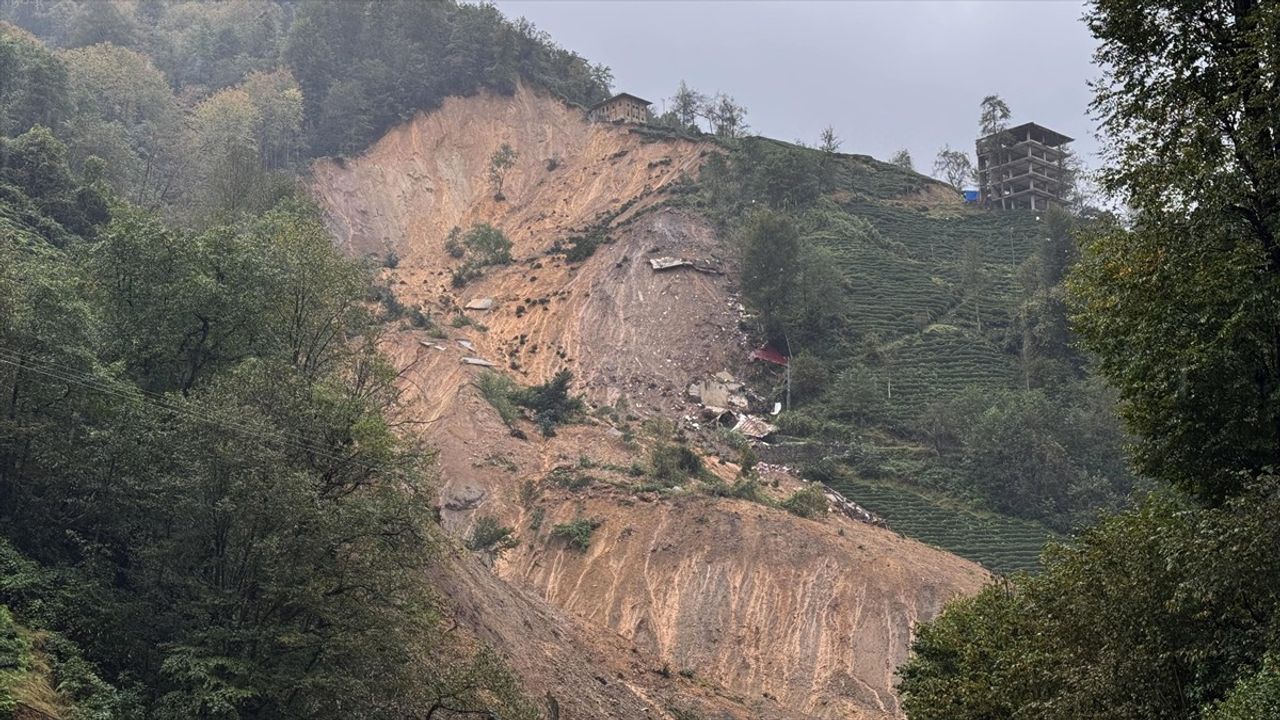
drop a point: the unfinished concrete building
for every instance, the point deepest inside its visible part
(1022, 168)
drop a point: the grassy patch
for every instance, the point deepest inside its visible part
(488, 535)
(577, 532)
(808, 502)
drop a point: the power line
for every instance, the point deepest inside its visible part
(76, 377)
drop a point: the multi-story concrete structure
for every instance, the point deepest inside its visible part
(623, 107)
(1022, 167)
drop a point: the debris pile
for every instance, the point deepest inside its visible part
(729, 403)
(660, 264)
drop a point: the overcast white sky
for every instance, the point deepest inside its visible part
(885, 75)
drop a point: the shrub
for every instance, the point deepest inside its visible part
(672, 463)
(747, 459)
(529, 492)
(465, 274)
(453, 243)
(489, 536)
(392, 260)
(809, 377)
(797, 424)
(488, 245)
(808, 502)
(569, 479)
(14, 648)
(743, 489)
(499, 390)
(577, 532)
(550, 402)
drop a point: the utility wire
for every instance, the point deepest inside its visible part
(76, 377)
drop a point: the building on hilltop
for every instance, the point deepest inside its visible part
(1022, 167)
(623, 107)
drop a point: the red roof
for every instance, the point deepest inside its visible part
(769, 354)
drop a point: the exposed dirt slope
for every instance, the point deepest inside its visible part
(768, 615)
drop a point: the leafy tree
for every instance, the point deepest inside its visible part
(727, 118)
(229, 174)
(902, 159)
(488, 245)
(1183, 309)
(126, 114)
(954, 166)
(1156, 613)
(1254, 697)
(33, 84)
(501, 161)
(994, 116)
(1169, 610)
(687, 105)
(827, 141)
(277, 98)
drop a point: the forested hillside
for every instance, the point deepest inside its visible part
(208, 506)
(1171, 609)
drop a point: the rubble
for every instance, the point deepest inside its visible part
(754, 427)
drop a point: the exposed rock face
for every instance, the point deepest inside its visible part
(769, 614)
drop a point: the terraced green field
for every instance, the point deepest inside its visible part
(1001, 544)
(939, 363)
(904, 265)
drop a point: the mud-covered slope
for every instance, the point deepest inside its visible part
(773, 615)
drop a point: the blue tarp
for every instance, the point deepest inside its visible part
(971, 196)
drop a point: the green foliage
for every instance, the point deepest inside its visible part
(1183, 309)
(364, 66)
(502, 160)
(807, 502)
(488, 535)
(488, 245)
(196, 460)
(570, 479)
(581, 247)
(672, 464)
(1257, 696)
(35, 90)
(792, 285)
(550, 402)
(744, 488)
(1155, 613)
(500, 391)
(577, 532)
(361, 67)
(453, 243)
(15, 659)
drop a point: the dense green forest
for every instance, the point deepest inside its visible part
(1172, 609)
(207, 509)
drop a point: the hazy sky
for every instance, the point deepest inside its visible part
(885, 75)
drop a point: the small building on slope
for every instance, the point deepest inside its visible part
(623, 107)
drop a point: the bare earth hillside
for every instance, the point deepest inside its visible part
(683, 603)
